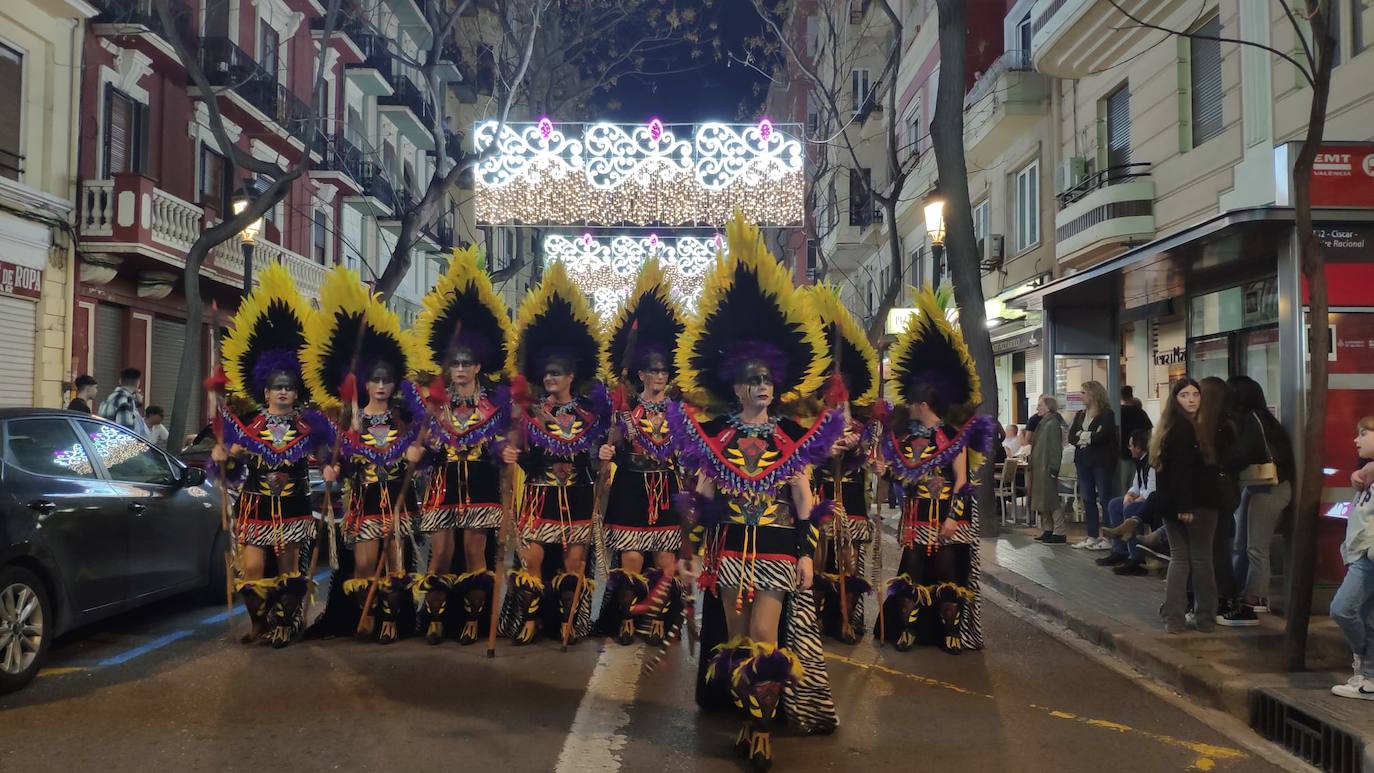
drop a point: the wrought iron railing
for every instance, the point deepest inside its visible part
(1009, 61)
(229, 66)
(144, 13)
(1110, 176)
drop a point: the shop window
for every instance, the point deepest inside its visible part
(11, 120)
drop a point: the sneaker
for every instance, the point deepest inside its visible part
(1044, 535)
(1357, 668)
(1101, 543)
(1057, 539)
(1131, 568)
(1087, 543)
(1240, 617)
(1362, 692)
(1126, 529)
(1115, 559)
(1262, 606)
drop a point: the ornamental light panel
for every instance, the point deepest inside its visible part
(652, 174)
(605, 267)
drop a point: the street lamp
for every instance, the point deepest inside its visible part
(248, 238)
(935, 227)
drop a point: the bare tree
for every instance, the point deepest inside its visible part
(1316, 60)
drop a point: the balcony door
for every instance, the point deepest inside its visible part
(1118, 120)
(268, 44)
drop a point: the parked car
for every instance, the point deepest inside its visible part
(94, 521)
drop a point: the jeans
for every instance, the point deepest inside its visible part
(1094, 485)
(1117, 512)
(1190, 546)
(1353, 610)
(1261, 508)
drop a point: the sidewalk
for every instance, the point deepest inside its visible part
(1237, 670)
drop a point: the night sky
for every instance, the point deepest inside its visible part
(712, 92)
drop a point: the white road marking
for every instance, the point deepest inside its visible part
(597, 735)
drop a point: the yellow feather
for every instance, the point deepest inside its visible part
(824, 300)
(275, 287)
(651, 282)
(930, 319)
(463, 274)
(746, 249)
(555, 284)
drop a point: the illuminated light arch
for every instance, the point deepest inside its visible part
(652, 174)
(605, 266)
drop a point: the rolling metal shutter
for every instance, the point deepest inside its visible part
(1119, 128)
(169, 339)
(19, 319)
(108, 342)
(1206, 83)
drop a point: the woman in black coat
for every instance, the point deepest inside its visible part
(1093, 435)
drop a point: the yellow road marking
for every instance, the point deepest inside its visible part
(1207, 753)
(60, 670)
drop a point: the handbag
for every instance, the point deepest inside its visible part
(1264, 473)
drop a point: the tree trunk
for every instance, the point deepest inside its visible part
(1304, 549)
(190, 349)
(961, 247)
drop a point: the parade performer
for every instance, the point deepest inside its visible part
(463, 330)
(842, 560)
(354, 339)
(754, 349)
(557, 344)
(269, 453)
(640, 519)
(934, 446)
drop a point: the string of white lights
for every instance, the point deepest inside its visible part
(606, 267)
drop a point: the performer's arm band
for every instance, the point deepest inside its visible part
(808, 535)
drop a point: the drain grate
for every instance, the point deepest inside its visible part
(1311, 739)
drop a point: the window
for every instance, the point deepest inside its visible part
(126, 133)
(127, 457)
(858, 89)
(1023, 38)
(913, 130)
(1356, 26)
(268, 44)
(321, 239)
(12, 94)
(214, 180)
(860, 208)
(1117, 112)
(47, 447)
(1028, 206)
(1333, 24)
(1204, 82)
(918, 273)
(980, 224)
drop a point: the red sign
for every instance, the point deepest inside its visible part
(1343, 176)
(20, 281)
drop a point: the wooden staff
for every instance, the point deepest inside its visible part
(214, 385)
(520, 398)
(617, 436)
(836, 394)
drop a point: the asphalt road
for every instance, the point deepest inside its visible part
(164, 689)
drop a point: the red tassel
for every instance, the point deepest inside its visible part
(438, 395)
(348, 390)
(620, 398)
(520, 390)
(215, 381)
(835, 393)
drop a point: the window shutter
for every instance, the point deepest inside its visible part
(1119, 127)
(1206, 83)
(120, 126)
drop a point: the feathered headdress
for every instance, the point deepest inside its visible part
(931, 351)
(463, 296)
(749, 311)
(858, 361)
(655, 318)
(350, 334)
(267, 336)
(555, 321)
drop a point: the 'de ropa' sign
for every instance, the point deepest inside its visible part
(20, 281)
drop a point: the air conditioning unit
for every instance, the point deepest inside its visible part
(1071, 172)
(991, 252)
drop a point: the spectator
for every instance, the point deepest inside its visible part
(1043, 475)
(1183, 453)
(1350, 605)
(1013, 442)
(1216, 411)
(157, 431)
(86, 388)
(1126, 512)
(122, 405)
(1261, 439)
(1093, 436)
(999, 451)
(1133, 417)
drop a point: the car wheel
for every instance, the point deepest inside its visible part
(26, 627)
(218, 573)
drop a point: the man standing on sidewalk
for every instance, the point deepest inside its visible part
(123, 405)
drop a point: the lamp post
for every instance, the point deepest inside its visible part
(935, 228)
(248, 238)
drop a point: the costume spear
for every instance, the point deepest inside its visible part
(837, 398)
(520, 401)
(214, 385)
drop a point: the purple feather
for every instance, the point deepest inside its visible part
(495, 425)
(823, 511)
(901, 587)
(269, 362)
(389, 456)
(696, 453)
(976, 434)
(237, 434)
(662, 452)
(601, 413)
(774, 666)
(733, 359)
(723, 662)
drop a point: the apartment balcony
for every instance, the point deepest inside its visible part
(1005, 103)
(255, 90)
(1105, 215)
(410, 14)
(376, 197)
(1074, 38)
(854, 239)
(138, 23)
(129, 217)
(373, 75)
(308, 274)
(410, 110)
(351, 34)
(339, 159)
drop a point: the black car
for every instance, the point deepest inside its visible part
(93, 521)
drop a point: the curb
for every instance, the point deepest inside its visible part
(1186, 673)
